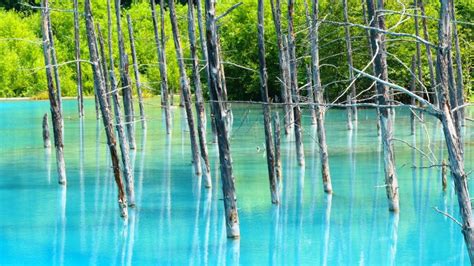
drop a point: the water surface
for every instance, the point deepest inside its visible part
(178, 221)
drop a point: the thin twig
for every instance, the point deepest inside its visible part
(448, 215)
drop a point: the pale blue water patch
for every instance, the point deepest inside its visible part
(179, 222)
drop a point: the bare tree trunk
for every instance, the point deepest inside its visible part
(103, 61)
(46, 140)
(201, 112)
(320, 110)
(266, 107)
(227, 178)
(456, 161)
(56, 114)
(127, 168)
(283, 60)
(228, 113)
(125, 79)
(107, 119)
(413, 89)
(54, 61)
(418, 48)
(349, 112)
(160, 45)
(309, 72)
(459, 114)
(77, 49)
(377, 40)
(347, 33)
(371, 55)
(428, 49)
(277, 137)
(202, 39)
(444, 172)
(294, 86)
(184, 83)
(135, 71)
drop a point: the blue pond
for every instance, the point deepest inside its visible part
(178, 221)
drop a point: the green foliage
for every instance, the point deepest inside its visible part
(22, 65)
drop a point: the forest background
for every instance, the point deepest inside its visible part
(22, 62)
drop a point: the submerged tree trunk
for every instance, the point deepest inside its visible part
(77, 50)
(107, 119)
(186, 92)
(56, 114)
(135, 71)
(294, 86)
(201, 112)
(227, 178)
(276, 141)
(124, 148)
(269, 144)
(126, 83)
(347, 33)
(378, 40)
(283, 60)
(456, 161)
(320, 109)
(46, 140)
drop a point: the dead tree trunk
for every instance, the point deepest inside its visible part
(202, 39)
(54, 61)
(186, 93)
(459, 115)
(377, 40)
(266, 107)
(413, 89)
(56, 114)
(124, 148)
(228, 113)
(371, 55)
(103, 61)
(107, 119)
(320, 109)
(46, 140)
(125, 79)
(160, 46)
(77, 49)
(135, 71)
(201, 112)
(428, 50)
(347, 33)
(309, 72)
(283, 60)
(418, 48)
(294, 86)
(456, 161)
(277, 137)
(227, 178)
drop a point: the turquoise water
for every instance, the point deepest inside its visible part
(178, 222)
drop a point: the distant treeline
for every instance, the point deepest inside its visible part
(22, 65)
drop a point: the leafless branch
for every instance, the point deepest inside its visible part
(447, 215)
(229, 10)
